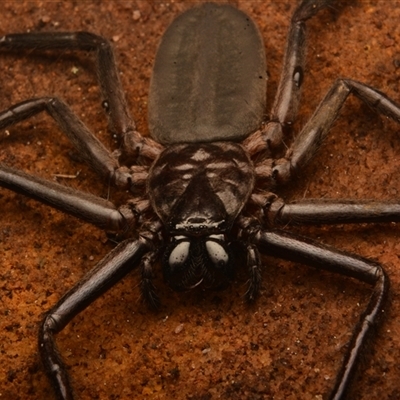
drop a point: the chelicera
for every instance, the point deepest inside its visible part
(205, 198)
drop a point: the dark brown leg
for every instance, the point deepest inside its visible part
(306, 251)
(287, 98)
(329, 211)
(120, 123)
(85, 206)
(120, 120)
(312, 135)
(90, 149)
(125, 257)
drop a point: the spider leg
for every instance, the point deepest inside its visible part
(332, 211)
(89, 147)
(287, 246)
(287, 98)
(314, 132)
(120, 121)
(121, 260)
(85, 206)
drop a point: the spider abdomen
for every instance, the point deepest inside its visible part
(209, 78)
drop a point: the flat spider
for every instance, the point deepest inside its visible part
(195, 241)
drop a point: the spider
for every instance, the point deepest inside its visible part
(210, 192)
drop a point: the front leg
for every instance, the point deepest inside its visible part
(125, 257)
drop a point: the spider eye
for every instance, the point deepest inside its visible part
(179, 254)
(217, 254)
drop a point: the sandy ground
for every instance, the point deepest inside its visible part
(204, 345)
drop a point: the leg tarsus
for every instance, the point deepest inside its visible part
(52, 361)
(361, 335)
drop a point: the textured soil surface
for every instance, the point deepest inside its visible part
(205, 345)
